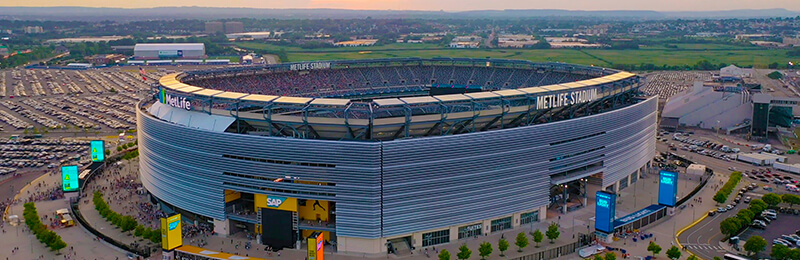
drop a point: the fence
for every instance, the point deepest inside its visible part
(554, 253)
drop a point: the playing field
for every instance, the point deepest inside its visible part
(684, 54)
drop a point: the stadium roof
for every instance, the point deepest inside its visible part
(168, 46)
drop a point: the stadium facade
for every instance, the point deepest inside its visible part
(383, 155)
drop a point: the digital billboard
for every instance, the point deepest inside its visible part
(604, 213)
(69, 178)
(667, 188)
(171, 236)
(98, 150)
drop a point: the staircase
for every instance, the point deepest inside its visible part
(401, 247)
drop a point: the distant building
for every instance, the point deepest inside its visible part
(734, 72)
(155, 51)
(234, 27)
(249, 35)
(105, 58)
(214, 27)
(516, 41)
(750, 37)
(356, 43)
(61, 49)
(466, 42)
(791, 41)
(33, 29)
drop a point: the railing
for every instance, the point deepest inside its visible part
(554, 253)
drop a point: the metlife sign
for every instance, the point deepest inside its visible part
(667, 188)
(606, 207)
(173, 101)
(310, 66)
(566, 98)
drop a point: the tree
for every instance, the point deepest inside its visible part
(611, 256)
(522, 241)
(128, 223)
(485, 250)
(791, 199)
(757, 206)
(598, 257)
(58, 244)
(720, 197)
(717, 258)
(464, 252)
(747, 213)
(537, 237)
(794, 254)
(755, 244)
(502, 245)
(771, 199)
(693, 257)
(729, 226)
(779, 252)
(652, 247)
(444, 255)
(673, 252)
(552, 232)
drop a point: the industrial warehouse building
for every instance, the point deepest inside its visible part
(160, 51)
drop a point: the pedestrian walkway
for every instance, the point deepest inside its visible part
(665, 229)
(80, 243)
(704, 246)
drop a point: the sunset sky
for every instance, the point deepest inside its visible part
(447, 5)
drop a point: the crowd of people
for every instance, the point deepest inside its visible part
(119, 187)
(381, 79)
(44, 192)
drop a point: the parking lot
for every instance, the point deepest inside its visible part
(63, 100)
(38, 153)
(786, 224)
(42, 112)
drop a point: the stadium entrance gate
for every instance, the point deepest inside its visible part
(568, 196)
(280, 221)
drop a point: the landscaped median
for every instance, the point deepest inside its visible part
(48, 237)
(722, 194)
(125, 223)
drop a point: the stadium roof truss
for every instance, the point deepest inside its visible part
(406, 117)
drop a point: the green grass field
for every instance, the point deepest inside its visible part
(685, 54)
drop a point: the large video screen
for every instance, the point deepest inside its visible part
(69, 178)
(667, 188)
(98, 150)
(604, 213)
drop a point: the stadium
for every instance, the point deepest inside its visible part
(385, 155)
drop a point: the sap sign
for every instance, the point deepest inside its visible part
(667, 188)
(275, 202)
(179, 102)
(605, 211)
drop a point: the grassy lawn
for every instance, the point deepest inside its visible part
(658, 54)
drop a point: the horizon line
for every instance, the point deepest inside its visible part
(405, 10)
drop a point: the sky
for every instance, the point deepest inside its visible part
(435, 5)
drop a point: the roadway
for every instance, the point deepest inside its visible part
(704, 238)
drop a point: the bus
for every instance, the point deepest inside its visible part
(734, 257)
